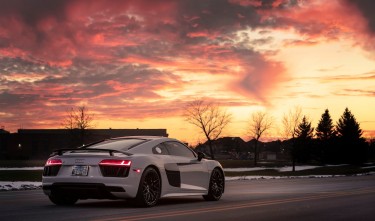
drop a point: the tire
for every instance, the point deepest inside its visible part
(217, 185)
(62, 200)
(149, 189)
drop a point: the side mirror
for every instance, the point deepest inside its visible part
(201, 155)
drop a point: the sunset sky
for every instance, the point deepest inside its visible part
(136, 64)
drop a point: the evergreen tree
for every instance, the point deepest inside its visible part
(348, 127)
(352, 146)
(303, 145)
(304, 130)
(325, 129)
(326, 148)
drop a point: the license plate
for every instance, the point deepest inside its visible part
(80, 170)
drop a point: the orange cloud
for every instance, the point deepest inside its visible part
(151, 57)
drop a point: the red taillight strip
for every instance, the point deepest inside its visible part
(111, 162)
(53, 162)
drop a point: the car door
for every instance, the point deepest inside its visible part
(193, 173)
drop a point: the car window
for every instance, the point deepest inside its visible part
(118, 144)
(160, 150)
(178, 149)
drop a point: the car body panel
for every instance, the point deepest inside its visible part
(180, 176)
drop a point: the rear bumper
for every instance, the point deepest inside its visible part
(86, 190)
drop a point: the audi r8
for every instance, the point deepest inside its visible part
(141, 169)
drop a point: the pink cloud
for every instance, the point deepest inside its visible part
(260, 79)
(324, 20)
(108, 52)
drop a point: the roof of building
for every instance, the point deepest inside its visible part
(112, 132)
(2, 131)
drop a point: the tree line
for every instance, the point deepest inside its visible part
(340, 143)
(327, 143)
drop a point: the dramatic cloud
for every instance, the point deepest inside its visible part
(366, 8)
(147, 58)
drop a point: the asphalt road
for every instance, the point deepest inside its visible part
(341, 198)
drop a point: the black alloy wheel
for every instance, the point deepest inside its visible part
(216, 188)
(149, 188)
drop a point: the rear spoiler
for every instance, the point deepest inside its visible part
(61, 152)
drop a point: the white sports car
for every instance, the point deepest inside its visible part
(142, 169)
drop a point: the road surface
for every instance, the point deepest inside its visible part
(341, 198)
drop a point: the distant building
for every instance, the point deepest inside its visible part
(39, 143)
(4, 135)
(225, 148)
(236, 148)
(2, 131)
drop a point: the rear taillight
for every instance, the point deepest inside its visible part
(112, 162)
(115, 168)
(52, 167)
(53, 162)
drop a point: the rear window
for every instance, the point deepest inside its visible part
(120, 144)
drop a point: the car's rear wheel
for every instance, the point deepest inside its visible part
(216, 188)
(62, 200)
(149, 188)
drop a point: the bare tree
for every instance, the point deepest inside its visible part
(209, 117)
(79, 119)
(290, 122)
(260, 122)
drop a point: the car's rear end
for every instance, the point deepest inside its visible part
(83, 175)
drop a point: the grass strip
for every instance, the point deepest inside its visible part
(21, 175)
(22, 163)
(328, 170)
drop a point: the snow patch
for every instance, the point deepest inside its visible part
(20, 185)
(298, 168)
(290, 177)
(245, 169)
(280, 169)
(277, 177)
